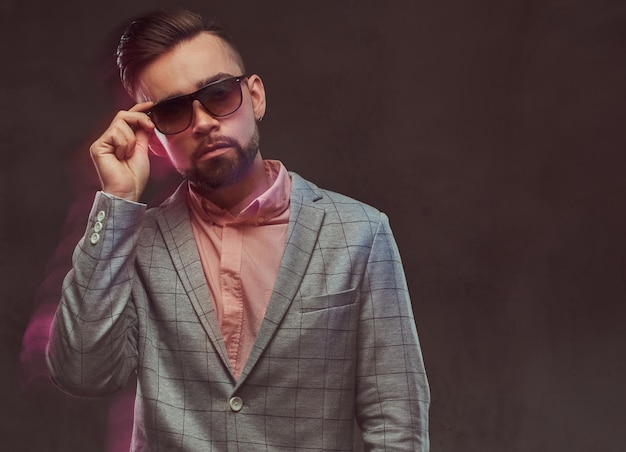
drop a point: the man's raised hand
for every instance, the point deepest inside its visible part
(121, 153)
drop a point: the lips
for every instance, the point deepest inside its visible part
(212, 150)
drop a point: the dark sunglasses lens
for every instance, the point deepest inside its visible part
(172, 116)
(222, 98)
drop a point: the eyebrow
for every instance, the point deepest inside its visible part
(219, 76)
(199, 84)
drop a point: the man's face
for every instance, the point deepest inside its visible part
(212, 152)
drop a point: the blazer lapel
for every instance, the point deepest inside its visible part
(305, 220)
(175, 226)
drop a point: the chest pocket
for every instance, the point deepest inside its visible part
(333, 300)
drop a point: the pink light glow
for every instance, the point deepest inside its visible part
(34, 374)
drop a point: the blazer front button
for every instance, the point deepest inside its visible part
(236, 404)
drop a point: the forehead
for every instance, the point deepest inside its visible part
(186, 68)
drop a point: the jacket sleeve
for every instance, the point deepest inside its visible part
(93, 339)
(393, 395)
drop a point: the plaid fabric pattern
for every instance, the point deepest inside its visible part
(338, 342)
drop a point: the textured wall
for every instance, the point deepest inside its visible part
(491, 132)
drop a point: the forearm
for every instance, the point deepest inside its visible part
(393, 398)
(92, 346)
(393, 395)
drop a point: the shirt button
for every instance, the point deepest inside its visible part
(236, 404)
(97, 227)
(101, 215)
(95, 238)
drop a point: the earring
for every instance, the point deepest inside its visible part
(260, 118)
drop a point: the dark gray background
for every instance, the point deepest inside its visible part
(491, 132)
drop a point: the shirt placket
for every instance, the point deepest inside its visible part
(231, 290)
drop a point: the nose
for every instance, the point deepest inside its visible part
(202, 120)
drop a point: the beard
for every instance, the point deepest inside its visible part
(223, 170)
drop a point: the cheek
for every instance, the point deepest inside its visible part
(246, 133)
(244, 121)
(247, 127)
(175, 150)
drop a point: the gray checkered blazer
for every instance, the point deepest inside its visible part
(338, 342)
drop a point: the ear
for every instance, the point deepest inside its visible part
(155, 145)
(257, 95)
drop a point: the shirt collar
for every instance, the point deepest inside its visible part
(261, 210)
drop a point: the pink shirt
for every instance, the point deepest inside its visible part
(240, 258)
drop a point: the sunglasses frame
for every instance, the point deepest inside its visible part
(197, 95)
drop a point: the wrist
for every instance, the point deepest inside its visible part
(131, 196)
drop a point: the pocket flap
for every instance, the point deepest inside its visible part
(332, 300)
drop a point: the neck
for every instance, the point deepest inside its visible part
(238, 196)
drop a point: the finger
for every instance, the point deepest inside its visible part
(117, 139)
(125, 140)
(120, 138)
(143, 120)
(125, 127)
(112, 141)
(142, 106)
(135, 119)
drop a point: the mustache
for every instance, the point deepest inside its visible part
(208, 145)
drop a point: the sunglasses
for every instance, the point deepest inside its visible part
(220, 98)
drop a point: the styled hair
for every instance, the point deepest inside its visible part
(152, 35)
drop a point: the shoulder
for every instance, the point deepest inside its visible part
(341, 214)
(306, 192)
